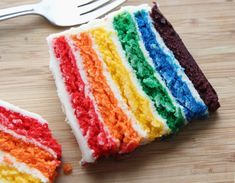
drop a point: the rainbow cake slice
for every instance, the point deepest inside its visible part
(28, 152)
(126, 80)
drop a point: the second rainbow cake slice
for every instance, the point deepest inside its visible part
(28, 151)
(121, 86)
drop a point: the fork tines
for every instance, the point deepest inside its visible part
(98, 6)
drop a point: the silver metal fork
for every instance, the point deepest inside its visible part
(64, 12)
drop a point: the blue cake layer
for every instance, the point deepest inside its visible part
(169, 69)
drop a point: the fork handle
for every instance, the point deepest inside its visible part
(8, 13)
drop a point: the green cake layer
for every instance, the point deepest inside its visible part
(128, 35)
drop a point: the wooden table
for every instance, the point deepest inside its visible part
(204, 151)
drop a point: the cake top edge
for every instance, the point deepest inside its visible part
(98, 22)
(22, 111)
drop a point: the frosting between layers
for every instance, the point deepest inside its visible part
(11, 169)
(121, 102)
(87, 154)
(113, 142)
(169, 69)
(92, 129)
(128, 35)
(10, 174)
(114, 117)
(138, 105)
(25, 139)
(30, 154)
(28, 126)
(192, 70)
(24, 154)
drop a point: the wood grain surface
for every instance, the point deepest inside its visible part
(204, 151)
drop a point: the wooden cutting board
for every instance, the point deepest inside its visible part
(204, 151)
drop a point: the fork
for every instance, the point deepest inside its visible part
(64, 12)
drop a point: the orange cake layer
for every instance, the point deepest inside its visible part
(30, 127)
(30, 154)
(113, 116)
(138, 104)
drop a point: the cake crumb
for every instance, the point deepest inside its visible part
(67, 168)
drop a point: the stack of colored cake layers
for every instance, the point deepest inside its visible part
(126, 80)
(28, 152)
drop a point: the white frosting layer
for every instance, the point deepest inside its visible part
(87, 153)
(167, 51)
(180, 73)
(22, 111)
(27, 140)
(109, 26)
(88, 92)
(134, 79)
(29, 114)
(150, 62)
(21, 167)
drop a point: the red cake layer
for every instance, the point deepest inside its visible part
(29, 127)
(92, 128)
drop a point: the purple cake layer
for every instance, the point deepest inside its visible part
(192, 70)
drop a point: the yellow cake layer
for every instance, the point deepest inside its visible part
(12, 175)
(137, 103)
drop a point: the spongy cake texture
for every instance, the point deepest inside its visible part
(28, 152)
(121, 85)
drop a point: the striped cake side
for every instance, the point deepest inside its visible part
(181, 53)
(179, 110)
(169, 68)
(147, 76)
(132, 92)
(30, 152)
(137, 103)
(91, 148)
(23, 153)
(108, 75)
(35, 131)
(11, 170)
(120, 84)
(114, 116)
